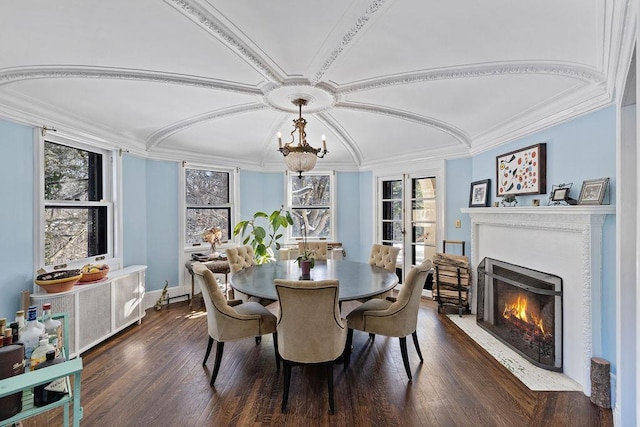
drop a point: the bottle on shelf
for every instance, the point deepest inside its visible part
(20, 318)
(51, 392)
(8, 337)
(30, 333)
(52, 327)
(39, 354)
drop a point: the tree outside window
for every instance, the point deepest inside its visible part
(207, 204)
(310, 205)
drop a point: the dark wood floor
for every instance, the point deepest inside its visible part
(152, 374)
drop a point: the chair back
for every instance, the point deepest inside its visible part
(224, 323)
(384, 256)
(310, 329)
(320, 249)
(240, 257)
(407, 302)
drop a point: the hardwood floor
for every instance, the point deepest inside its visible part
(152, 374)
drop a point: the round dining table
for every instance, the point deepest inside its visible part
(357, 279)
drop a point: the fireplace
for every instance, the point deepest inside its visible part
(523, 308)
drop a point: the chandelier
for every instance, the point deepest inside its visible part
(302, 156)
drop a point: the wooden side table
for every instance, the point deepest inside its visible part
(216, 266)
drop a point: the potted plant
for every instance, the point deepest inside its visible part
(307, 259)
(257, 236)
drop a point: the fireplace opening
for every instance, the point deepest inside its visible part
(523, 308)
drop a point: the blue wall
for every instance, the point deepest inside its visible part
(458, 180)
(16, 215)
(162, 224)
(350, 200)
(134, 205)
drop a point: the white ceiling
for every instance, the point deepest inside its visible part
(388, 81)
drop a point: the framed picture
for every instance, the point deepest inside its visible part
(522, 171)
(592, 191)
(479, 193)
(560, 194)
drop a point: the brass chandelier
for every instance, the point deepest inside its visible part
(300, 157)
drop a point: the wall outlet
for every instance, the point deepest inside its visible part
(458, 223)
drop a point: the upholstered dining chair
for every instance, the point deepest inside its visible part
(394, 317)
(239, 258)
(384, 256)
(320, 249)
(231, 320)
(310, 329)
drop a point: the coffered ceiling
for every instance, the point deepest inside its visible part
(387, 81)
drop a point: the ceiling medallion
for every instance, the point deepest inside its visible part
(300, 157)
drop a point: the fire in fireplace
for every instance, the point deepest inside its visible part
(522, 308)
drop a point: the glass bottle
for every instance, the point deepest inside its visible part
(39, 354)
(30, 334)
(52, 327)
(48, 393)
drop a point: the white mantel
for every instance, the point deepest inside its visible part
(562, 240)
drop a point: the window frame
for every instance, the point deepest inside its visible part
(231, 205)
(333, 230)
(41, 204)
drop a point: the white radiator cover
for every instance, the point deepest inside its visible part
(99, 310)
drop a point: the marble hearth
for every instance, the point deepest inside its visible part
(561, 240)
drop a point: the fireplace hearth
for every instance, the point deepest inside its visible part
(522, 308)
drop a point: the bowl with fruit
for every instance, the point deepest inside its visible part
(94, 272)
(58, 281)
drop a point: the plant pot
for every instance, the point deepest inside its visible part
(305, 266)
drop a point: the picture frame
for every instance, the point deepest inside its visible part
(560, 194)
(479, 193)
(522, 171)
(593, 190)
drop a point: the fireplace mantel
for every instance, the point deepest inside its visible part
(563, 240)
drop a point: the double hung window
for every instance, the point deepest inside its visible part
(311, 202)
(77, 211)
(208, 203)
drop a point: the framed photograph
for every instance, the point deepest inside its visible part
(560, 194)
(479, 193)
(592, 192)
(522, 171)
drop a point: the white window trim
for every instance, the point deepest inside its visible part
(111, 174)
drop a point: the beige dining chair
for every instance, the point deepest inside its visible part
(394, 317)
(231, 320)
(384, 256)
(310, 329)
(320, 249)
(239, 258)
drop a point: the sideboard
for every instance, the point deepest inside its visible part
(99, 310)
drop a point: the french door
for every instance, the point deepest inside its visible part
(408, 218)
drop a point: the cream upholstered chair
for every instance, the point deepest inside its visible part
(320, 249)
(384, 256)
(240, 258)
(394, 317)
(231, 320)
(310, 329)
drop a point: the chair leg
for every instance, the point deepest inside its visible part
(216, 366)
(347, 349)
(405, 356)
(415, 343)
(258, 339)
(275, 347)
(329, 368)
(372, 337)
(206, 355)
(287, 381)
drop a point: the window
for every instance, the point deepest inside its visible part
(208, 204)
(310, 202)
(76, 210)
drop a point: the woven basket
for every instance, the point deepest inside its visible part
(92, 277)
(58, 281)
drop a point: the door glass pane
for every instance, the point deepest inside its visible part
(423, 210)
(424, 233)
(424, 188)
(392, 189)
(392, 210)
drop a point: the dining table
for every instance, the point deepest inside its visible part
(358, 280)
